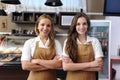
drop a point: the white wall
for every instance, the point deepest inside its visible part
(115, 41)
(114, 35)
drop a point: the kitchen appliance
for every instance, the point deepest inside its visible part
(100, 29)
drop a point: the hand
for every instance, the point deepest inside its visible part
(66, 59)
(100, 64)
(96, 63)
(57, 57)
(35, 61)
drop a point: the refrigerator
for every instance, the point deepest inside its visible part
(100, 29)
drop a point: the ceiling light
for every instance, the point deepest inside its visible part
(53, 3)
(11, 2)
(2, 13)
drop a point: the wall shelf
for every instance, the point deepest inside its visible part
(94, 13)
(19, 37)
(61, 34)
(5, 32)
(30, 17)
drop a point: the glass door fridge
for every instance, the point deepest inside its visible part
(100, 30)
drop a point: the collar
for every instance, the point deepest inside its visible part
(89, 40)
(40, 41)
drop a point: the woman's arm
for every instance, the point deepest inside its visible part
(50, 64)
(68, 65)
(27, 65)
(97, 68)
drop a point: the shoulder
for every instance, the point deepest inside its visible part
(57, 42)
(95, 42)
(31, 41)
(93, 39)
(58, 47)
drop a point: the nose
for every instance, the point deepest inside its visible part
(81, 26)
(45, 27)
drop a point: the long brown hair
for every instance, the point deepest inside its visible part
(51, 34)
(71, 44)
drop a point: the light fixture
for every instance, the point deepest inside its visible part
(15, 2)
(2, 13)
(53, 3)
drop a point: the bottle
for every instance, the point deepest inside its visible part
(105, 47)
(118, 50)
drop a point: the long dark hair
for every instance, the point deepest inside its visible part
(71, 44)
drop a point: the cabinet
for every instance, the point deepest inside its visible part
(113, 58)
(13, 72)
(65, 19)
(30, 17)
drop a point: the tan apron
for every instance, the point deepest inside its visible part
(86, 54)
(45, 54)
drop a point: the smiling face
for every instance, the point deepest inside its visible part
(44, 27)
(81, 26)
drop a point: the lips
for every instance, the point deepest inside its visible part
(45, 31)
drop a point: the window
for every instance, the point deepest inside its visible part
(38, 5)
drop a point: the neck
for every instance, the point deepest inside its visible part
(44, 38)
(82, 38)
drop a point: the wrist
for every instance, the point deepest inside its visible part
(90, 64)
(39, 61)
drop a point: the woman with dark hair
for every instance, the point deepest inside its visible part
(41, 55)
(82, 54)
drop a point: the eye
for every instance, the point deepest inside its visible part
(77, 24)
(48, 25)
(84, 23)
(42, 24)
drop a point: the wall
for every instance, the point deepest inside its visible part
(95, 5)
(115, 41)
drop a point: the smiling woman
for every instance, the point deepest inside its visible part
(41, 55)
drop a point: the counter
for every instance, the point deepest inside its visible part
(11, 69)
(15, 72)
(113, 58)
(12, 72)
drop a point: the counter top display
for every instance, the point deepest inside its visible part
(10, 58)
(10, 54)
(12, 72)
(15, 72)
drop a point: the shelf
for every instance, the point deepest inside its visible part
(30, 17)
(61, 35)
(115, 58)
(19, 37)
(94, 13)
(5, 32)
